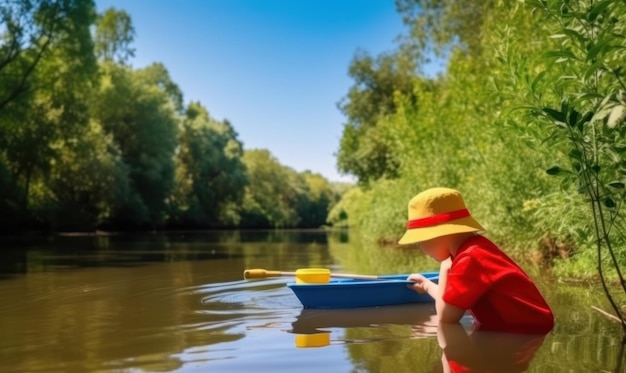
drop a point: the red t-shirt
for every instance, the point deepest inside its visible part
(496, 291)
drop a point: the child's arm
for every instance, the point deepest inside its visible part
(447, 313)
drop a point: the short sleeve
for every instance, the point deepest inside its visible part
(467, 282)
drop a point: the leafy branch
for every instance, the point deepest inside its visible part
(584, 112)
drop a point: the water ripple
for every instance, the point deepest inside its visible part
(246, 296)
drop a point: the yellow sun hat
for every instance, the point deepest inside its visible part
(437, 212)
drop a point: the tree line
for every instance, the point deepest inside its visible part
(88, 142)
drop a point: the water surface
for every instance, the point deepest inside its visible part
(177, 303)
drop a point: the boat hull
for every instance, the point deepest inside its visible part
(353, 293)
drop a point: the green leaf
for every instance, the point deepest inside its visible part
(523, 108)
(554, 114)
(601, 46)
(613, 155)
(620, 148)
(608, 202)
(573, 34)
(617, 184)
(554, 170)
(560, 54)
(588, 96)
(593, 69)
(538, 78)
(576, 154)
(566, 78)
(598, 8)
(574, 115)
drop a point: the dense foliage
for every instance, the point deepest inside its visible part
(89, 142)
(529, 87)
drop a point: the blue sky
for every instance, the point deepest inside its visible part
(276, 69)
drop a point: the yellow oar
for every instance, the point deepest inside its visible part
(304, 275)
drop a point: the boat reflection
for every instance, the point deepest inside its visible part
(311, 326)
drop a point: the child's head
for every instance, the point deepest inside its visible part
(435, 213)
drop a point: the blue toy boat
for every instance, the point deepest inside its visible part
(352, 293)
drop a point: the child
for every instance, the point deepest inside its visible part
(475, 274)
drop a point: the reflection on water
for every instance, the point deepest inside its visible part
(177, 302)
(312, 320)
(313, 326)
(22, 255)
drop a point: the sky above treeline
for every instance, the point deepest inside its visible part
(276, 69)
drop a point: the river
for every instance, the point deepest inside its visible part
(177, 302)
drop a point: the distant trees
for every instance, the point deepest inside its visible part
(277, 196)
(211, 174)
(89, 142)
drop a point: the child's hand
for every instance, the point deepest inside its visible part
(421, 283)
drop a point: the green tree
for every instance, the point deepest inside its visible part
(268, 199)
(86, 180)
(319, 197)
(47, 65)
(114, 35)
(363, 150)
(437, 27)
(210, 174)
(140, 111)
(343, 213)
(30, 29)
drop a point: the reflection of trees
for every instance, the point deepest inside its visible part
(339, 235)
(620, 362)
(109, 318)
(393, 354)
(273, 249)
(133, 300)
(584, 340)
